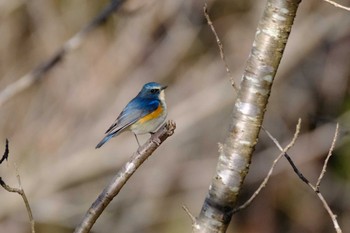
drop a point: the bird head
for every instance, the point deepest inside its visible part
(152, 90)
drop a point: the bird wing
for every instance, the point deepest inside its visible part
(135, 110)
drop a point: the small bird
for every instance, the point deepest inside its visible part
(143, 114)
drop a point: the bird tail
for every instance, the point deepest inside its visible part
(104, 140)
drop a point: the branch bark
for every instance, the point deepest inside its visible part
(123, 175)
(248, 111)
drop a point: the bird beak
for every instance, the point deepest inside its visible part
(163, 87)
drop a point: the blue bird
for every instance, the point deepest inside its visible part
(143, 114)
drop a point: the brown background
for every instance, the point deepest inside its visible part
(54, 125)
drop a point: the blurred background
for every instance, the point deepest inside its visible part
(54, 126)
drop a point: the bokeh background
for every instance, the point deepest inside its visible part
(54, 125)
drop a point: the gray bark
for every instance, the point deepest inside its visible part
(248, 112)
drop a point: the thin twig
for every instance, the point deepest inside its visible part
(296, 170)
(25, 199)
(330, 212)
(193, 219)
(221, 47)
(34, 75)
(19, 190)
(5, 156)
(314, 188)
(263, 184)
(337, 5)
(327, 158)
(123, 175)
(273, 138)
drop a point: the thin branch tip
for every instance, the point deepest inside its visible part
(21, 192)
(330, 152)
(338, 5)
(220, 46)
(6, 152)
(193, 219)
(205, 8)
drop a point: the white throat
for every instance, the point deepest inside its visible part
(162, 96)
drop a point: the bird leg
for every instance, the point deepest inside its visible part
(137, 140)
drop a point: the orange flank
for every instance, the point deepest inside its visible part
(156, 113)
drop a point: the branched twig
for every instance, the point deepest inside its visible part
(221, 47)
(300, 175)
(38, 72)
(337, 5)
(263, 184)
(19, 190)
(316, 188)
(123, 175)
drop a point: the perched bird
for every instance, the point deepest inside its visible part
(143, 114)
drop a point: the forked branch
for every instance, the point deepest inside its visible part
(283, 151)
(315, 188)
(18, 190)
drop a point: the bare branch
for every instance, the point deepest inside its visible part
(25, 199)
(19, 191)
(123, 175)
(330, 212)
(327, 158)
(221, 47)
(274, 139)
(263, 184)
(193, 219)
(247, 116)
(337, 5)
(33, 76)
(315, 188)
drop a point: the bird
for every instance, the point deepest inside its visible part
(143, 114)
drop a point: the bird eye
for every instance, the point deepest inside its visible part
(154, 91)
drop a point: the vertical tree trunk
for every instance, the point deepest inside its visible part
(248, 111)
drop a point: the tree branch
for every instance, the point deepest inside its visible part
(221, 47)
(193, 219)
(327, 158)
(19, 190)
(316, 188)
(123, 175)
(337, 5)
(248, 111)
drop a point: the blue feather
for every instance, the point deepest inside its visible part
(104, 140)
